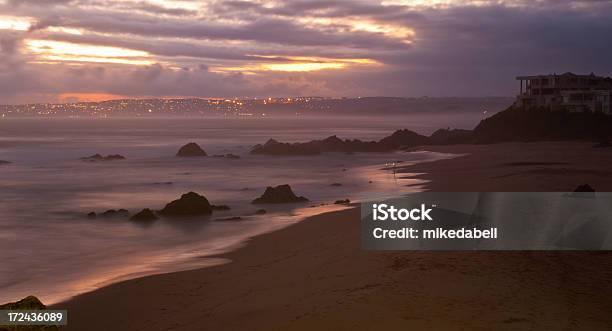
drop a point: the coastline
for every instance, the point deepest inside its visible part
(314, 274)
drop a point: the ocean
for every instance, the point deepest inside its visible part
(51, 249)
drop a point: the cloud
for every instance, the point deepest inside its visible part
(462, 48)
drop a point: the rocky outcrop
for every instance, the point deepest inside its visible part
(279, 194)
(403, 138)
(543, 124)
(260, 212)
(336, 184)
(111, 213)
(190, 204)
(273, 147)
(29, 303)
(342, 202)
(400, 138)
(451, 136)
(221, 207)
(99, 157)
(191, 150)
(144, 215)
(4, 162)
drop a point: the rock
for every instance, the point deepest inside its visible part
(335, 184)
(29, 303)
(4, 162)
(260, 212)
(91, 214)
(403, 138)
(190, 150)
(98, 157)
(342, 202)
(115, 213)
(190, 204)
(543, 124)
(584, 188)
(221, 207)
(273, 147)
(279, 194)
(144, 215)
(450, 137)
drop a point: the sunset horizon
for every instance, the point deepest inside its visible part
(83, 50)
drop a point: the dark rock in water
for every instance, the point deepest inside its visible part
(4, 162)
(115, 213)
(260, 212)
(91, 214)
(584, 188)
(221, 207)
(370, 182)
(98, 157)
(29, 303)
(144, 215)
(189, 204)
(342, 202)
(279, 194)
(400, 138)
(403, 138)
(273, 147)
(191, 149)
(335, 184)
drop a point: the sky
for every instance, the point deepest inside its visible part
(78, 50)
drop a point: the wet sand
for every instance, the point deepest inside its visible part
(315, 276)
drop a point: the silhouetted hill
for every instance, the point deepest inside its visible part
(521, 124)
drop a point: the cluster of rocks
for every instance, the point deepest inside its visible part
(398, 140)
(512, 124)
(99, 157)
(194, 204)
(194, 150)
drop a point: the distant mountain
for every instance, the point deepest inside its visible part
(256, 107)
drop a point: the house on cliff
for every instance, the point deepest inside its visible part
(566, 91)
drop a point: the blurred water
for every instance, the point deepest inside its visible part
(50, 249)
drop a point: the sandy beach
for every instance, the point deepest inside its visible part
(315, 276)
